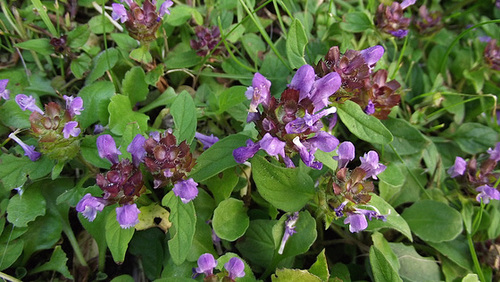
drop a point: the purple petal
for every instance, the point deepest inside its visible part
(242, 154)
(487, 193)
(372, 54)
(272, 145)
(307, 156)
(29, 150)
(206, 264)
(136, 149)
(259, 92)
(127, 215)
(370, 164)
(71, 129)
(495, 153)
(370, 108)
(4, 92)
(324, 141)
(407, 3)
(27, 103)
(303, 81)
(458, 168)
(323, 88)
(74, 105)
(400, 33)
(186, 190)
(119, 12)
(235, 267)
(289, 230)
(90, 205)
(346, 153)
(164, 8)
(357, 222)
(206, 140)
(107, 148)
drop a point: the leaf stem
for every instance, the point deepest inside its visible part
(74, 244)
(474, 257)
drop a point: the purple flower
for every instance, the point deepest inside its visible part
(339, 211)
(71, 129)
(357, 222)
(127, 215)
(259, 92)
(372, 55)
(310, 122)
(323, 88)
(206, 140)
(119, 12)
(136, 149)
(107, 148)
(98, 129)
(4, 92)
(370, 164)
(307, 156)
(29, 150)
(486, 193)
(206, 265)
(27, 103)
(345, 154)
(289, 230)
(407, 3)
(164, 7)
(495, 153)
(235, 267)
(242, 154)
(400, 33)
(89, 205)
(323, 141)
(272, 145)
(303, 81)
(458, 168)
(73, 105)
(186, 190)
(370, 108)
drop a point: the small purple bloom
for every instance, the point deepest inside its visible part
(400, 33)
(372, 55)
(89, 206)
(268, 125)
(357, 222)
(136, 149)
(206, 140)
(4, 92)
(370, 164)
(484, 38)
(300, 125)
(486, 193)
(29, 150)
(242, 154)
(98, 129)
(27, 103)
(307, 156)
(164, 7)
(323, 88)
(235, 267)
(119, 12)
(323, 141)
(370, 108)
(272, 145)
(71, 129)
(289, 230)
(495, 153)
(259, 92)
(458, 168)
(127, 215)
(186, 190)
(206, 265)
(303, 81)
(406, 3)
(106, 147)
(339, 211)
(346, 153)
(74, 105)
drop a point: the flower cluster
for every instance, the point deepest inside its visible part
(141, 22)
(483, 180)
(291, 124)
(491, 54)
(206, 263)
(207, 40)
(368, 89)
(56, 127)
(391, 20)
(428, 22)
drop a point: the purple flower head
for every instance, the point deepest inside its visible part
(164, 7)
(339, 211)
(89, 206)
(495, 153)
(127, 215)
(27, 103)
(29, 150)
(289, 230)
(235, 267)
(307, 156)
(323, 88)
(346, 153)
(370, 164)
(98, 129)
(370, 108)
(242, 154)
(272, 145)
(136, 149)
(357, 222)
(71, 129)
(372, 55)
(303, 81)
(323, 141)
(4, 92)
(310, 122)
(259, 92)
(206, 140)
(206, 265)
(486, 193)
(458, 168)
(186, 190)
(74, 105)
(484, 38)
(119, 12)
(400, 33)
(407, 3)
(107, 148)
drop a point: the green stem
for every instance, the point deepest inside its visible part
(400, 59)
(280, 20)
(474, 257)
(8, 277)
(74, 243)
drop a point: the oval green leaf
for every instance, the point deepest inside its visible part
(230, 219)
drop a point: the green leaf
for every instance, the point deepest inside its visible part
(221, 187)
(286, 275)
(103, 62)
(80, 65)
(217, 158)
(414, 267)
(148, 245)
(123, 278)
(356, 22)
(11, 115)
(230, 219)
(182, 58)
(296, 44)
(364, 126)
(394, 220)
(100, 24)
(384, 262)
(134, 85)
(14, 171)
(231, 97)
(141, 55)
(10, 252)
(184, 113)
(57, 263)
(40, 45)
(456, 250)
(259, 244)
(117, 238)
(97, 228)
(183, 218)
(95, 98)
(179, 15)
(43, 233)
(24, 209)
(88, 148)
(301, 241)
(254, 46)
(121, 114)
(475, 138)
(433, 221)
(275, 184)
(124, 41)
(407, 139)
(320, 267)
(202, 241)
(78, 36)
